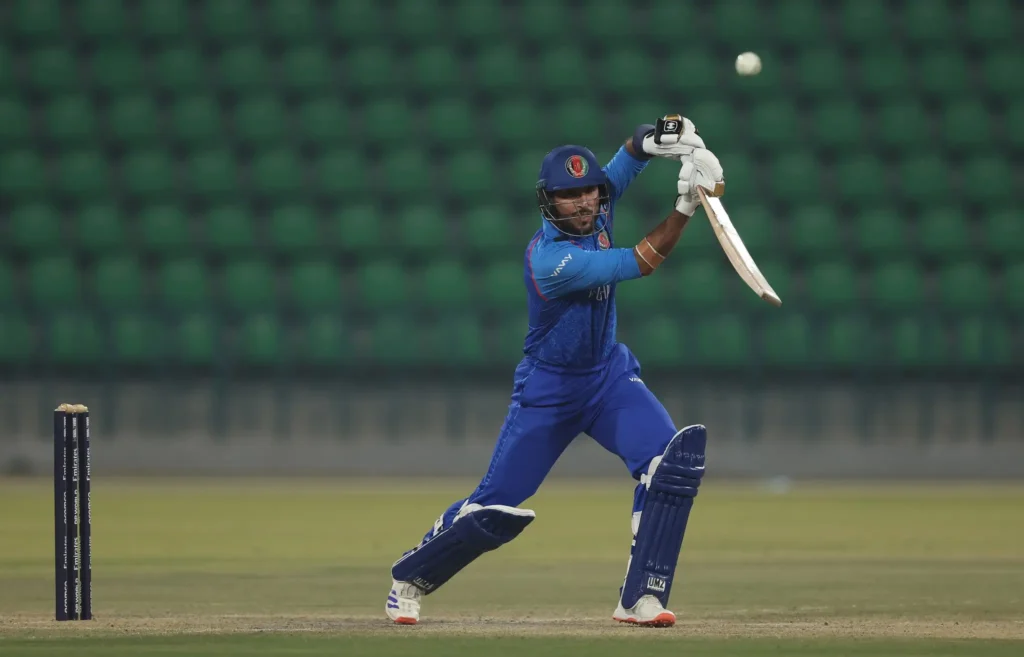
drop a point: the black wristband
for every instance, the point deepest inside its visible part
(638, 141)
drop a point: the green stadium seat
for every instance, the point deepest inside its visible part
(17, 340)
(768, 81)
(164, 229)
(379, 118)
(797, 22)
(814, 232)
(290, 21)
(322, 123)
(243, 69)
(723, 342)
(100, 229)
(659, 341)
(1013, 124)
(471, 175)
(196, 342)
(355, 21)
(435, 69)
(757, 224)
(261, 341)
(36, 228)
(563, 70)
(503, 288)
(83, 175)
(838, 125)
(340, 174)
(507, 337)
(787, 342)
(965, 286)
(916, 344)
(395, 341)
(639, 300)
(499, 70)
(606, 21)
(660, 24)
(118, 283)
(943, 232)
(845, 341)
(521, 172)
(859, 179)
(52, 71)
(928, 22)
(228, 21)
(134, 120)
(196, 121)
(15, 123)
(277, 175)
(372, 68)
(1001, 72)
(698, 285)
(74, 339)
(53, 283)
(260, 121)
(487, 229)
(796, 165)
(1013, 288)
(8, 291)
(179, 70)
(779, 275)
(455, 340)
(416, 22)
(22, 175)
(183, 284)
(983, 343)
(1004, 234)
(7, 76)
(881, 233)
(832, 285)
(99, 20)
(884, 73)
(866, 22)
(774, 124)
(902, 124)
(118, 69)
(422, 228)
(137, 340)
(149, 176)
(211, 174)
(36, 20)
(479, 22)
(248, 286)
(445, 285)
(308, 71)
(162, 20)
(822, 73)
(451, 123)
(540, 22)
(943, 73)
(992, 21)
(314, 286)
(717, 123)
(229, 230)
(966, 126)
(323, 342)
(383, 285)
(518, 123)
(924, 179)
(358, 228)
(406, 174)
(738, 23)
(989, 180)
(742, 177)
(629, 71)
(295, 229)
(70, 121)
(897, 285)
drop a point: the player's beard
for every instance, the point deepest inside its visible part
(583, 221)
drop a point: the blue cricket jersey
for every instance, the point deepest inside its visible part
(570, 283)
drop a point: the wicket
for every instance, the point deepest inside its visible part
(72, 514)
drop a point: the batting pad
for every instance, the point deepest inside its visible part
(477, 529)
(670, 493)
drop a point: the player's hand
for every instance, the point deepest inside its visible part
(700, 168)
(673, 137)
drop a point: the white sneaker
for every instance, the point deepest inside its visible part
(647, 611)
(404, 603)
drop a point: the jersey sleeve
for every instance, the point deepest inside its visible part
(560, 268)
(621, 170)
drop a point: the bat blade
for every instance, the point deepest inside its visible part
(734, 248)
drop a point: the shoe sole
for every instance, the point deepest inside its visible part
(661, 620)
(404, 620)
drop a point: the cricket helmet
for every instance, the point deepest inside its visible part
(569, 167)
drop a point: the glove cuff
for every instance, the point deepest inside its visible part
(638, 141)
(686, 207)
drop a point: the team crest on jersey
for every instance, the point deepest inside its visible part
(602, 240)
(576, 166)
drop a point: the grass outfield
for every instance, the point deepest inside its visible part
(300, 567)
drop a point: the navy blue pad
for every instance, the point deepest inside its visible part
(663, 521)
(438, 558)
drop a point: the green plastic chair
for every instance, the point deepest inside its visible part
(18, 339)
(966, 125)
(35, 228)
(212, 175)
(138, 340)
(357, 228)
(503, 289)
(197, 341)
(499, 71)
(629, 70)
(294, 229)
(383, 285)
(8, 288)
(179, 69)
(314, 286)
(1004, 234)
(487, 229)
(983, 344)
(290, 21)
(943, 232)
(323, 342)
(1013, 124)
(641, 300)
(422, 229)
(396, 342)
(996, 21)
(563, 70)
(118, 283)
(99, 20)
(518, 123)
(406, 174)
(897, 286)
(381, 115)
(451, 123)
(846, 343)
(229, 230)
(416, 22)
(902, 124)
(164, 229)
(1013, 288)
(866, 23)
(698, 285)
(717, 124)
(15, 125)
(261, 341)
(372, 69)
(83, 175)
(308, 70)
(70, 121)
(1001, 73)
(22, 175)
(822, 72)
(54, 282)
(797, 23)
(786, 342)
(929, 22)
(445, 285)
(965, 287)
(479, 22)
(662, 22)
(183, 284)
(838, 125)
(736, 22)
(36, 21)
(134, 121)
(242, 69)
(990, 181)
(660, 341)
(277, 176)
(323, 123)
(248, 286)
(833, 285)
(163, 20)
(196, 121)
(860, 178)
(814, 232)
(916, 345)
(149, 176)
(436, 70)
(540, 22)
(776, 123)
(924, 179)
(260, 121)
(339, 174)
(796, 165)
(355, 21)
(723, 342)
(455, 340)
(74, 340)
(884, 73)
(944, 74)
(100, 229)
(52, 71)
(226, 22)
(471, 175)
(118, 69)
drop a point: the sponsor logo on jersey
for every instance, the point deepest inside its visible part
(576, 166)
(655, 584)
(602, 240)
(561, 265)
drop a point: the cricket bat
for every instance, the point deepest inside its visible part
(734, 248)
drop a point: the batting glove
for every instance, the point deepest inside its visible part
(673, 137)
(701, 168)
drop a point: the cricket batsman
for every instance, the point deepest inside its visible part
(575, 378)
